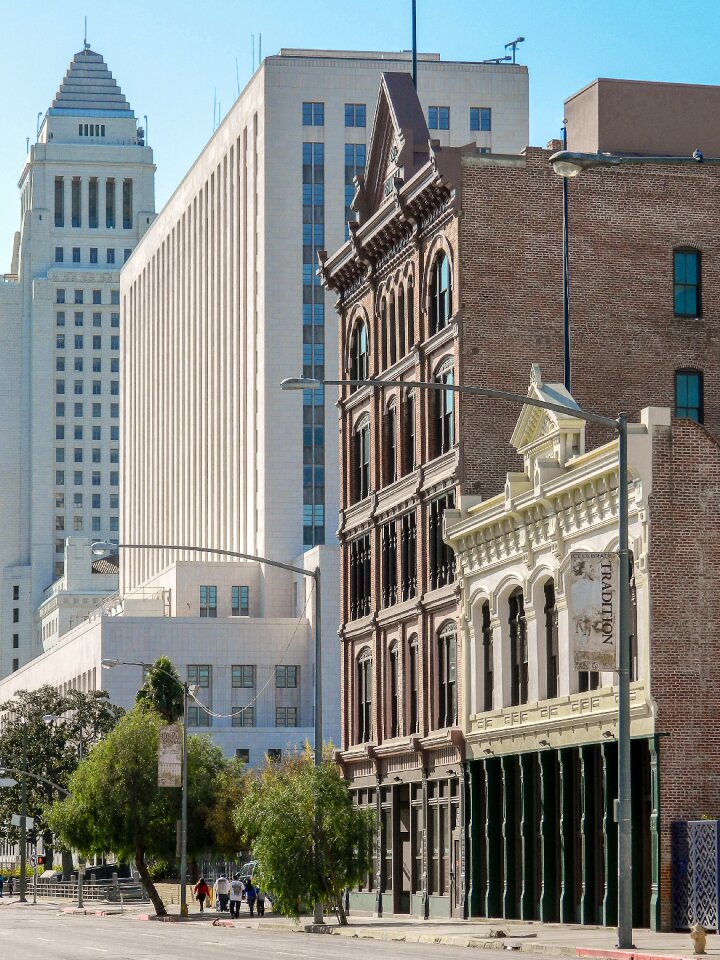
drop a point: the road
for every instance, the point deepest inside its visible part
(28, 933)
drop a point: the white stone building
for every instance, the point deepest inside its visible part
(87, 196)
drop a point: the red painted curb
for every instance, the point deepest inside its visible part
(624, 954)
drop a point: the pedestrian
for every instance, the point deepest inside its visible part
(222, 892)
(260, 901)
(201, 891)
(2, 884)
(11, 886)
(250, 896)
(236, 892)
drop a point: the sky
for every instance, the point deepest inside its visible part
(174, 60)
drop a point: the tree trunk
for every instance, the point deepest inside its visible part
(149, 885)
(340, 908)
(67, 864)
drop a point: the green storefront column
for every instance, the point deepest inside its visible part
(509, 829)
(528, 904)
(654, 745)
(475, 787)
(610, 791)
(493, 838)
(567, 837)
(587, 833)
(548, 911)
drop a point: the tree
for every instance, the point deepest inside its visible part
(311, 843)
(116, 804)
(54, 749)
(232, 785)
(163, 690)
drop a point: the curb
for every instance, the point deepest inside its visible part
(170, 918)
(625, 954)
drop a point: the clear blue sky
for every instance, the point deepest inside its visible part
(170, 58)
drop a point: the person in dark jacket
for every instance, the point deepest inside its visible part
(250, 896)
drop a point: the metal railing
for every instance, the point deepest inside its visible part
(120, 891)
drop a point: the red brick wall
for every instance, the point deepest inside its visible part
(684, 584)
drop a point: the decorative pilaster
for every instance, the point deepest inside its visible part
(493, 838)
(527, 834)
(655, 919)
(509, 826)
(587, 835)
(474, 829)
(548, 908)
(425, 850)
(567, 830)
(610, 790)
(378, 848)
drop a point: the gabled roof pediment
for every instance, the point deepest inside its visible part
(399, 144)
(535, 425)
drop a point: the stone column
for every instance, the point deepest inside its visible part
(510, 827)
(549, 837)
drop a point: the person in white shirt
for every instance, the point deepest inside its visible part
(236, 892)
(222, 892)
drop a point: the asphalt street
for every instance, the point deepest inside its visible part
(35, 933)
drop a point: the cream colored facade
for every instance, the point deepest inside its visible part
(564, 499)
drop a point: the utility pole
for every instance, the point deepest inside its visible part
(23, 816)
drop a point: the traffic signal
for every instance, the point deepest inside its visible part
(41, 860)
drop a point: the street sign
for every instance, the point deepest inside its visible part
(33, 860)
(16, 820)
(170, 756)
(593, 606)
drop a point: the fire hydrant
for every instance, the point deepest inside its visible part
(699, 938)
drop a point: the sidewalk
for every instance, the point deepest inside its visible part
(538, 938)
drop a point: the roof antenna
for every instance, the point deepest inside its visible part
(237, 76)
(259, 49)
(86, 45)
(414, 43)
(253, 52)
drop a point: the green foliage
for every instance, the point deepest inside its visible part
(311, 843)
(54, 750)
(163, 690)
(232, 786)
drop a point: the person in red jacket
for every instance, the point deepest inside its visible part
(201, 891)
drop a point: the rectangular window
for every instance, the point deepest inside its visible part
(313, 114)
(355, 114)
(75, 201)
(59, 431)
(126, 254)
(60, 341)
(59, 202)
(78, 410)
(16, 641)
(60, 364)
(59, 478)
(388, 539)
(442, 557)
(114, 524)
(15, 665)
(127, 204)
(286, 716)
(364, 699)
(60, 298)
(60, 455)
(59, 386)
(96, 478)
(77, 500)
(114, 478)
(97, 319)
(78, 478)
(408, 556)
(243, 675)
(97, 410)
(59, 254)
(242, 754)
(96, 525)
(438, 118)
(97, 342)
(110, 203)
(114, 501)
(78, 431)
(79, 318)
(78, 364)
(686, 286)
(76, 254)
(286, 676)
(59, 523)
(198, 675)
(77, 523)
(198, 716)
(96, 455)
(78, 296)
(60, 318)
(60, 409)
(114, 343)
(97, 296)
(96, 499)
(241, 601)
(481, 119)
(360, 577)
(689, 395)
(93, 254)
(114, 410)
(114, 433)
(243, 716)
(208, 601)
(111, 255)
(78, 456)
(115, 297)
(79, 388)
(93, 203)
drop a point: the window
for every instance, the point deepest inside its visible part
(59, 364)
(97, 342)
(75, 201)
(313, 114)
(16, 641)
(442, 558)
(394, 679)
(78, 478)
(487, 658)
(243, 716)
(286, 717)
(360, 577)
(242, 754)
(110, 255)
(110, 203)
(16, 615)
(408, 556)
(241, 601)
(78, 409)
(689, 395)
(359, 354)
(59, 254)
(551, 640)
(93, 255)
(438, 118)
(198, 675)
(198, 716)
(364, 698)
(59, 478)
(15, 665)
(127, 204)
(60, 431)
(59, 455)
(77, 523)
(114, 501)
(78, 364)
(93, 203)
(440, 294)
(391, 444)
(114, 455)
(481, 118)
(97, 410)
(114, 343)
(97, 387)
(78, 318)
(286, 676)
(114, 388)
(362, 460)
(59, 523)
(60, 298)
(96, 455)
(686, 285)
(588, 680)
(409, 438)
(414, 686)
(78, 455)
(447, 686)
(243, 675)
(59, 202)
(77, 500)
(76, 254)
(208, 601)
(60, 501)
(59, 409)
(126, 254)
(96, 501)
(97, 296)
(60, 387)
(274, 755)
(388, 545)
(78, 298)
(444, 414)
(518, 649)
(79, 388)
(97, 319)
(60, 318)
(78, 341)
(114, 433)
(114, 410)
(115, 365)
(355, 114)
(114, 319)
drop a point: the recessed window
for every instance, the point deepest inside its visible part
(481, 119)
(16, 641)
(440, 294)
(286, 717)
(78, 296)
(438, 118)
(362, 460)
(355, 114)
(359, 353)
(198, 675)
(208, 601)
(689, 395)
(242, 754)
(76, 256)
(313, 114)
(445, 414)
(59, 296)
(243, 716)
(59, 254)
(60, 318)
(686, 283)
(241, 601)
(447, 676)
(274, 755)
(286, 676)
(93, 255)
(111, 255)
(243, 675)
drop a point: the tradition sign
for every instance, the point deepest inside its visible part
(593, 607)
(170, 756)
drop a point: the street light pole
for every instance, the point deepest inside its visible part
(23, 815)
(619, 426)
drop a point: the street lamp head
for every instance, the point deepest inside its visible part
(49, 718)
(300, 383)
(103, 548)
(565, 164)
(108, 664)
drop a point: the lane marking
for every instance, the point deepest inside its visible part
(96, 949)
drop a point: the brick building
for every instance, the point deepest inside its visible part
(453, 273)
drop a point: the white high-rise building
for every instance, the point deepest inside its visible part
(87, 196)
(221, 301)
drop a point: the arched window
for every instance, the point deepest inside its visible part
(518, 648)
(447, 670)
(394, 691)
(362, 459)
(410, 315)
(391, 443)
(401, 320)
(444, 413)
(384, 334)
(359, 353)
(551, 641)
(413, 686)
(487, 651)
(392, 347)
(364, 697)
(440, 294)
